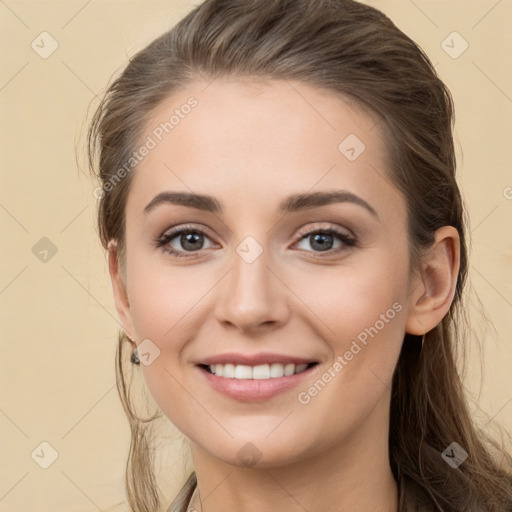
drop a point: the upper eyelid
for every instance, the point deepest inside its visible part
(176, 230)
(303, 231)
(326, 226)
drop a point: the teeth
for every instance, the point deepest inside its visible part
(243, 372)
(262, 371)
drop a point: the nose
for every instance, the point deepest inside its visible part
(253, 297)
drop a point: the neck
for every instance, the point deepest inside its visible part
(354, 475)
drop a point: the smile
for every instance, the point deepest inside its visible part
(258, 383)
(258, 372)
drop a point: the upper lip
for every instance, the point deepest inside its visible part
(254, 359)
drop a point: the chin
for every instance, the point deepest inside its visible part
(257, 451)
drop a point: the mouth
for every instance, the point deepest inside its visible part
(255, 383)
(257, 372)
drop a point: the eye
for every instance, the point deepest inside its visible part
(323, 240)
(190, 238)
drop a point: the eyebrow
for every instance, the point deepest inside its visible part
(290, 204)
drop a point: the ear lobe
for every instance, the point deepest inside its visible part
(431, 297)
(119, 290)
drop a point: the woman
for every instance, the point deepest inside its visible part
(287, 249)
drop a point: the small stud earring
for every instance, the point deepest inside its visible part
(135, 357)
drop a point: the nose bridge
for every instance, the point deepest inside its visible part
(253, 295)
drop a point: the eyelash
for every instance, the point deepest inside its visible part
(164, 240)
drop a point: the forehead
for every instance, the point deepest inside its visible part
(246, 139)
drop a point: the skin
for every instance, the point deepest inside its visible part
(251, 144)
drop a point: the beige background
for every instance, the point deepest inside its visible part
(58, 321)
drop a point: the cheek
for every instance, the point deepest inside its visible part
(362, 321)
(346, 300)
(360, 313)
(163, 305)
(160, 297)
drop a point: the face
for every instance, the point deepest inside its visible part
(273, 288)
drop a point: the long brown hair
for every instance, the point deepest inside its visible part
(354, 50)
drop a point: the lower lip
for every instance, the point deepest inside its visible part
(254, 390)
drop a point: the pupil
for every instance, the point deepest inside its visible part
(322, 245)
(189, 239)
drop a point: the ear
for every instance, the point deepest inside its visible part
(431, 295)
(119, 289)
